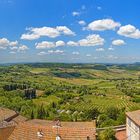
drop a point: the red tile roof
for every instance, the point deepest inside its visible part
(68, 130)
(6, 113)
(121, 135)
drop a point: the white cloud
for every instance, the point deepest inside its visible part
(48, 45)
(91, 40)
(118, 42)
(104, 24)
(72, 43)
(30, 36)
(74, 13)
(82, 22)
(75, 53)
(64, 30)
(45, 45)
(23, 48)
(100, 49)
(14, 48)
(60, 43)
(4, 43)
(111, 49)
(13, 43)
(55, 51)
(129, 31)
(36, 33)
(42, 53)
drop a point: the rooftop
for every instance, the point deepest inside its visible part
(90, 124)
(29, 130)
(121, 135)
(6, 113)
(134, 116)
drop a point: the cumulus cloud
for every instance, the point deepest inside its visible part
(111, 49)
(82, 22)
(75, 53)
(23, 48)
(42, 53)
(4, 43)
(55, 51)
(74, 13)
(102, 25)
(36, 33)
(129, 31)
(91, 40)
(14, 48)
(45, 45)
(13, 43)
(72, 43)
(100, 49)
(48, 45)
(118, 42)
(60, 43)
(64, 30)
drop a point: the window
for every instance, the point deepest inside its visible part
(129, 122)
(136, 128)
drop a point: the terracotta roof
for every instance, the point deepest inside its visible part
(19, 119)
(67, 131)
(90, 124)
(134, 116)
(121, 135)
(6, 132)
(6, 113)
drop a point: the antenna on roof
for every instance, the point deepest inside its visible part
(58, 137)
(57, 126)
(40, 134)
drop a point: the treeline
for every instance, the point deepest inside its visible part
(10, 87)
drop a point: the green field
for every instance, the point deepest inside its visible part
(72, 92)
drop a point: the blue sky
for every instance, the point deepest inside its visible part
(74, 31)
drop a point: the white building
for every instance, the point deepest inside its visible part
(133, 125)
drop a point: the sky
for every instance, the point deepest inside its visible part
(70, 31)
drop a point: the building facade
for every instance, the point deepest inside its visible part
(133, 125)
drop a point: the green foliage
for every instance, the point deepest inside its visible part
(41, 112)
(72, 92)
(92, 113)
(107, 134)
(112, 113)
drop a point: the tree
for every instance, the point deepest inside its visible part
(41, 113)
(92, 113)
(113, 113)
(32, 114)
(108, 134)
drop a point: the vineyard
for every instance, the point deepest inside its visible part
(71, 92)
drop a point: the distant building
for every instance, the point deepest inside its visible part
(133, 125)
